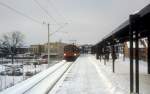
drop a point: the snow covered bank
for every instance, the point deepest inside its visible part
(29, 83)
(48, 83)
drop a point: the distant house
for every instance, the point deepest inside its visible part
(37, 49)
(85, 48)
(1, 53)
(56, 49)
(22, 50)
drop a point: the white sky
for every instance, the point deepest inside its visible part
(89, 20)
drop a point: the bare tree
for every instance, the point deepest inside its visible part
(9, 43)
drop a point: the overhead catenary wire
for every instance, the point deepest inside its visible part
(19, 12)
(46, 11)
(58, 29)
(56, 10)
(50, 16)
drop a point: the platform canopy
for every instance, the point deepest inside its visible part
(121, 34)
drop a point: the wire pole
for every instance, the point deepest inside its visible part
(48, 45)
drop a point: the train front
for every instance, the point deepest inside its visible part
(71, 52)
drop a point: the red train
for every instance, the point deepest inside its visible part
(71, 52)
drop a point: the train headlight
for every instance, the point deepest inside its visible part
(75, 54)
(64, 54)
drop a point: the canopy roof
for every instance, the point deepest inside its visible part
(121, 34)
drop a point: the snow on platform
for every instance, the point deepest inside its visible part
(121, 78)
(83, 78)
(90, 76)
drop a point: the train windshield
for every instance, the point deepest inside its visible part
(70, 48)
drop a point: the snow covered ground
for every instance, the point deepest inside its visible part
(83, 78)
(120, 79)
(8, 81)
(44, 86)
(90, 76)
(37, 83)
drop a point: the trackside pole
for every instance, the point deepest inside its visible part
(48, 45)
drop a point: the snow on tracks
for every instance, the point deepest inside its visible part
(39, 82)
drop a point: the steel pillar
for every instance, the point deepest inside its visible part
(131, 56)
(97, 52)
(100, 54)
(148, 55)
(137, 62)
(123, 52)
(114, 57)
(134, 28)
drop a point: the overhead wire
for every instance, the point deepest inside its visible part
(58, 29)
(20, 13)
(29, 17)
(56, 10)
(50, 16)
(66, 20)
(46, 11)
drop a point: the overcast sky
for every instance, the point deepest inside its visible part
(88, 20)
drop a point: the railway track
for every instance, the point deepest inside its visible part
(41, 83)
